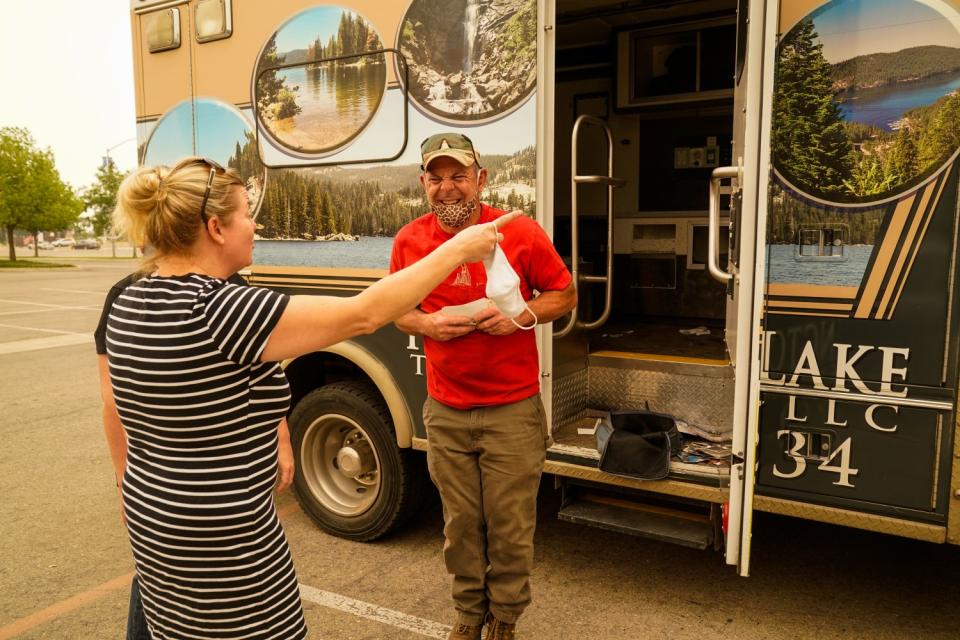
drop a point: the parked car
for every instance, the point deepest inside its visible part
(45, 245)
(64, 242)
(87, 243)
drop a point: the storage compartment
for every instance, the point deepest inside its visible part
(843, 453)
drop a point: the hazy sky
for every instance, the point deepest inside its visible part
(322, 21)
(67, 76)
(849, 28)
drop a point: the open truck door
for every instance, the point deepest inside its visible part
(745, 272)
(665, 244)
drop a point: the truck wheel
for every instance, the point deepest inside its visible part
(351, 477)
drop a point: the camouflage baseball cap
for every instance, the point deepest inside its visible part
(452, 145)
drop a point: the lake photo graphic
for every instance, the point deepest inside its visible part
(866, 107)
(342, 114)
(866, 104)
(328, 97)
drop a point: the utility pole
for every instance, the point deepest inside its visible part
(107, 161)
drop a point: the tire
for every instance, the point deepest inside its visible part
(351, 477)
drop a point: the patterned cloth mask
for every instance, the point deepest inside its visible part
(454, 215)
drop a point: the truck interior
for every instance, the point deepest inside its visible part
(659, 77)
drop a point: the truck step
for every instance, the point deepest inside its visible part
(685, 528)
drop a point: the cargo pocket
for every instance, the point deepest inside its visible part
(537, 401)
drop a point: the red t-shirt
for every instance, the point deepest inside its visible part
(478, 369)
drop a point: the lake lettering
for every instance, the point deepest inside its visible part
(893, 369)
(807, 373)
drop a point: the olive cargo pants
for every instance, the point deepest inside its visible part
(487, 462)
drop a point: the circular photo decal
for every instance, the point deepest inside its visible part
(470, 61)
(223, 134)
(330, 91)
(866, 102)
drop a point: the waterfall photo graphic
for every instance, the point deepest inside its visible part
(469, 60)
(211, 129)
(320, 105)
(866, 103)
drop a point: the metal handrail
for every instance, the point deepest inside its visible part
(713, 218)
(611, 183)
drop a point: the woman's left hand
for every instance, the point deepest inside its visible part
(285, 463)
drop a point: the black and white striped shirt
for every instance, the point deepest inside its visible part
(201, 412)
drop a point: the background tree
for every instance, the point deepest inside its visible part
(32, 195)
(810, 143)
(942, 137)
(869, 177)
(269, 84)
(903, 157)
(101, 196)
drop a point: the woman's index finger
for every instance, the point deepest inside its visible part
(507, 218)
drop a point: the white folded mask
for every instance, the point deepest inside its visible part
(503, 287)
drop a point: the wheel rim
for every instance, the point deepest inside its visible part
(340, 465)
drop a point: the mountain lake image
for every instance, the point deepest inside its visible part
(866, 108)
(323, 102)
(865, 111)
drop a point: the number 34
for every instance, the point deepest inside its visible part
(798, 440)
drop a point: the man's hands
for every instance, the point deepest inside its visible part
(442, 327)
(491, 321)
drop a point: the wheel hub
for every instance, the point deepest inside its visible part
(340, 465)
(353, 462)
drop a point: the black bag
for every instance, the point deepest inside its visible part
(638, 444)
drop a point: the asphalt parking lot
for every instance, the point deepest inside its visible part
(65, 565)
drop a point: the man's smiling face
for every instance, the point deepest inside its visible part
(451, 186)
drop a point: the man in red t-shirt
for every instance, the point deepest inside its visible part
(485, 421)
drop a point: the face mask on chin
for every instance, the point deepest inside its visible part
(454, 215)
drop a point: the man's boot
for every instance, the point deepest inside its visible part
(463, 631)
(499, 630)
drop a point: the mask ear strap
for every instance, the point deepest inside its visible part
(535, 320)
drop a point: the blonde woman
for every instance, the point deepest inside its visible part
(194, 377)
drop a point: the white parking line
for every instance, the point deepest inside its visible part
(93, 293)
(38, 304)
(420, 626)
(17, 326)
(45, 343)
(20, 313)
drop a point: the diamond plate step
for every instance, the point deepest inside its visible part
(696, 390)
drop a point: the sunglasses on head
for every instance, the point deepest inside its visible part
(453, 140)
(214, 168)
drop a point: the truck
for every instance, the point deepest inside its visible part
(757, 199)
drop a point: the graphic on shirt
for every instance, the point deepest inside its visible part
(463, 277)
